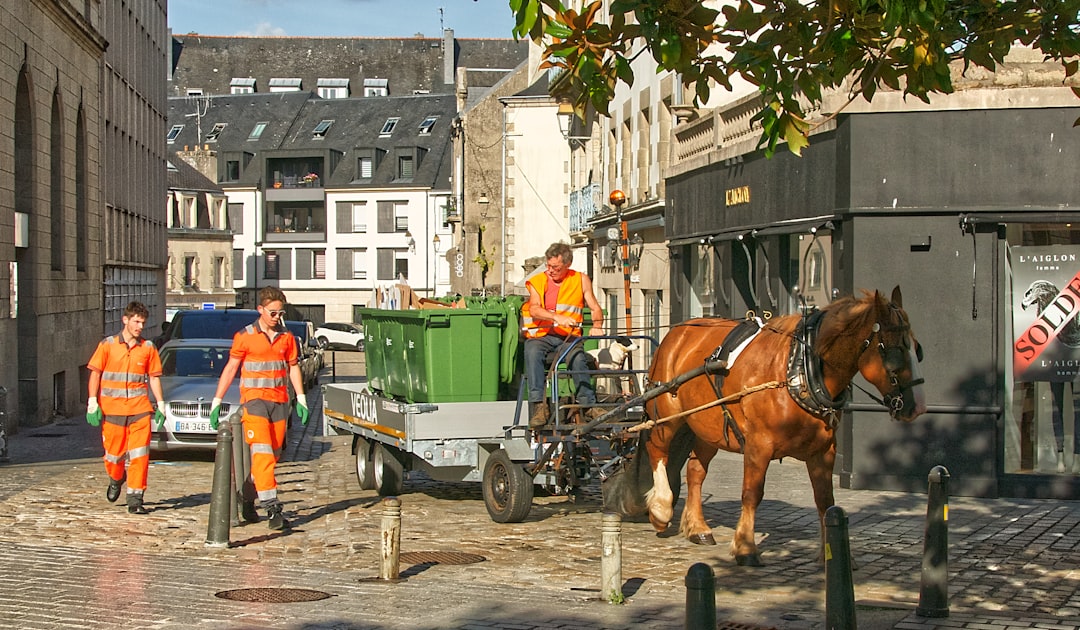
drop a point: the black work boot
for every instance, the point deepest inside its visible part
(112, 493)
(538, 414)
(276, 520)
(247, 510)
(135, 504)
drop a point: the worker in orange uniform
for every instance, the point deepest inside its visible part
(120, 370)
(552, 318)
(266, 355)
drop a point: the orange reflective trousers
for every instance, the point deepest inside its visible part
(264, 433)
(130, 436)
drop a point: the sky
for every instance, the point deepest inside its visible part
(342, 18)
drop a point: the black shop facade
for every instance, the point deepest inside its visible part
(975, 214)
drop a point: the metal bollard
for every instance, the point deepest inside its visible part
(217, 531)
(700, 597)
(389, 568)
(611, 558)
(239, 471)
(934, 592)
(839, 588)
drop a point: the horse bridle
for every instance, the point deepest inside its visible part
(892, 359)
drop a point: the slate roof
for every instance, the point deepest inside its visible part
(211, 62)
(292, 118)
(184, 176)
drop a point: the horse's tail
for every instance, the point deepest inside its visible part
(624, 491)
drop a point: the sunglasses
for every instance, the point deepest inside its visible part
(276, 313)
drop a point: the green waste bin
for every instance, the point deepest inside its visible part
(437, 355)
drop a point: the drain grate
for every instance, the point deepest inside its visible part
(731, 625)
(439, 557)
(47, 435)
(272, 595)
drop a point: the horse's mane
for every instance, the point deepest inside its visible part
(846, 314)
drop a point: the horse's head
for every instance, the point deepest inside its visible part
(893, 368)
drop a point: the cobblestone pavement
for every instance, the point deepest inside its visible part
(69, 559)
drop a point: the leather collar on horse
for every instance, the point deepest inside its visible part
(806, 374)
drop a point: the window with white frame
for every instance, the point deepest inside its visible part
(359, 218)
(405, 167)
(359, 264)
(321, 129)
(215, 132)
(289, 84)
(365, 166)
(242, 85)
(175, 131)
(401, 217)
(388, 126)
(429, 122)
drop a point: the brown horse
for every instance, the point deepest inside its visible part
(762, 417)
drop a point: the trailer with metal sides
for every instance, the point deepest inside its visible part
(426, 407)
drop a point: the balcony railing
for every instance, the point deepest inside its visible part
(584, 205)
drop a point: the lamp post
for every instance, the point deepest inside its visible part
(435, 243)
(617, 199)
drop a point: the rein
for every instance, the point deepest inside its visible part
(648, 424)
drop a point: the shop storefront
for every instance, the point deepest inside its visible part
(975, 214)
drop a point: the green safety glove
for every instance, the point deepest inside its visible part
(302, 409)
(93, 412)
(215, 412)
(159, 415)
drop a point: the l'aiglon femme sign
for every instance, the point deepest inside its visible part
(1046, 313)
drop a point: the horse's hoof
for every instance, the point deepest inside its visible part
(750, 560)
(702, 539)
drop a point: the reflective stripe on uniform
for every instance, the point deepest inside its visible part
(264, 382)
(262, 448)
(142, 451)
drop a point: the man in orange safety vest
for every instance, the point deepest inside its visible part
(266, 354)
(552, 316)
(120, 370)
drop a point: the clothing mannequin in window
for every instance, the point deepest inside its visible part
(1057, 391)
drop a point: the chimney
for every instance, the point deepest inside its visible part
(449, 56)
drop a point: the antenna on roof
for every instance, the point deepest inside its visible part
(441, 29)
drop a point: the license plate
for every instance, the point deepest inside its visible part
(192, 427)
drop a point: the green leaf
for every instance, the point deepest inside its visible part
(558, 29)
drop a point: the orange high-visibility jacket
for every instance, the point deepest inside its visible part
(124, 375)
(570, 302)
(264, 367)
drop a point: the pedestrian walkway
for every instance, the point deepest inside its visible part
(70, 559)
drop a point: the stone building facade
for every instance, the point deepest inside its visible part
(80, 85)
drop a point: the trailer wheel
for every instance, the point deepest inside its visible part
(508, 489)
(365, 469)
(389, 473)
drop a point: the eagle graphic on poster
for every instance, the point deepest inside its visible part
(1040, 294)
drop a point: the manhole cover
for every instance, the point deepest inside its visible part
(272, 595)
(439, 557)
(730, 625)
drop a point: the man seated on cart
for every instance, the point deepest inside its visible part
(552, 320)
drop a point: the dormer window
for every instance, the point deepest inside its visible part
(333, 88)
(215, 132)
(290, 84)
(376, 87)
(242, 85)
(321, 129)
(388, 126)
(175, 131)
(425, 127)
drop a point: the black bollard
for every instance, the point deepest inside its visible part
(700, 597)
(217, 531)
(239, 471)
(839, 587)
(934, 593)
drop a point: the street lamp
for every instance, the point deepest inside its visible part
(435, 244)
(566, 117)
(617, 199)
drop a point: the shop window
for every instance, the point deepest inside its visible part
(1043, 353)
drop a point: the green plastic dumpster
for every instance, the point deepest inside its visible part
(436, 355)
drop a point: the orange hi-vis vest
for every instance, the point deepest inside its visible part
(570, 302)
(264, 367)
(124, 375)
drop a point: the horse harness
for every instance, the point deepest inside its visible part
(806, 374)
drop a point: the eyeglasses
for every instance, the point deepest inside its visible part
(276, 314)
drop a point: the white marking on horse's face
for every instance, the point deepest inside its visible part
(917, 390)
